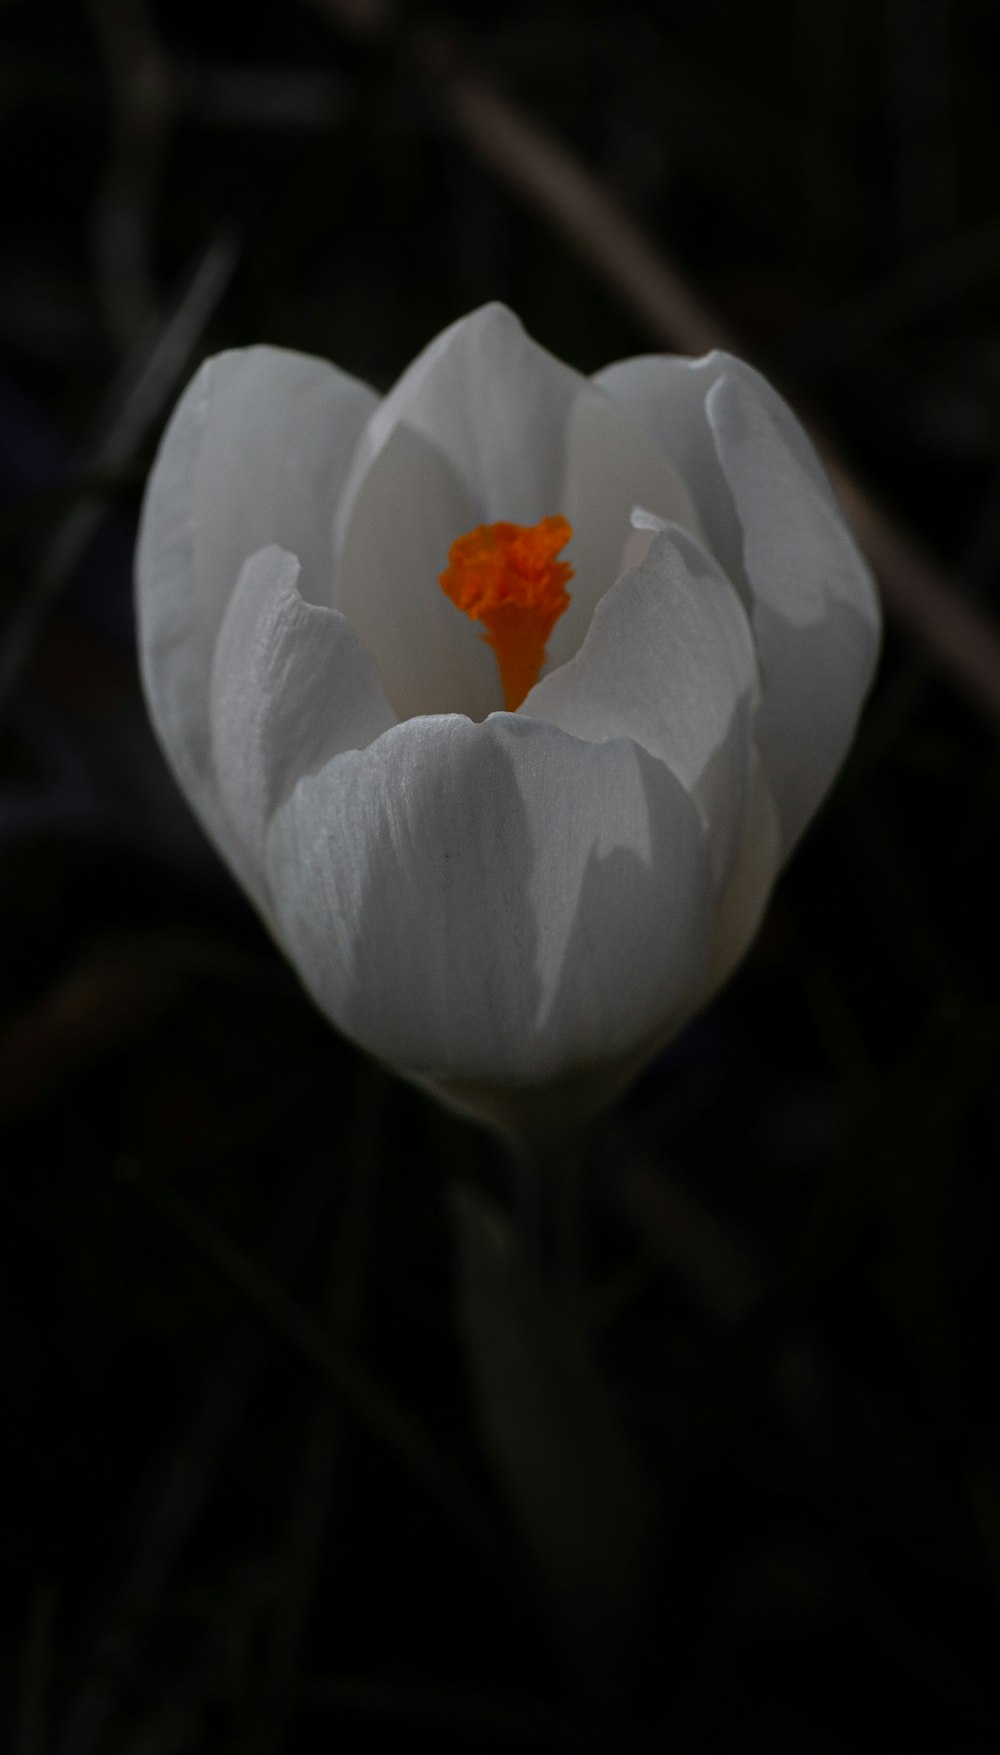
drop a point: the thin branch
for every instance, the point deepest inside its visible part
(922, 598)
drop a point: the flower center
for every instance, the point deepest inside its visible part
(507, 576)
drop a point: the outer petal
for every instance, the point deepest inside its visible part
(492, 907)
(815, 613)
(667, 395)
(292, 686)
(256, 452)
(669, 661)
(775, 523)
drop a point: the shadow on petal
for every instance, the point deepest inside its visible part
(494, 909)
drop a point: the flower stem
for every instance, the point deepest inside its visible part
(547, 1420)
(550, 1174)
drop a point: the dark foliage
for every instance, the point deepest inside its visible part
(204, 1548)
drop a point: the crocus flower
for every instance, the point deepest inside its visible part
(505, 696)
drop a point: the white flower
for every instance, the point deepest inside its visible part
(514, 909)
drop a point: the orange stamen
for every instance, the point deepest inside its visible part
(507, 576)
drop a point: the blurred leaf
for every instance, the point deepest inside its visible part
(317, 1468)
(36, 1679)
(457, 1710)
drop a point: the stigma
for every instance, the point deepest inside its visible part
(507, 577)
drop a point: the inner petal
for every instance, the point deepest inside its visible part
(511, 443)
(404, 516)
(493, 404)
(610, 464)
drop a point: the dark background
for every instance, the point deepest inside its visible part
(792, 1225)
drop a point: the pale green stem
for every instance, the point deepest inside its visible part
(550, 1173)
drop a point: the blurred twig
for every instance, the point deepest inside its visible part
(87, 1014)
(105, 1003)
(939, 276)
(551, 179)
(179, 1485)
(137, 399)
(141, 89)
(263, 97)
(375, 1406)
(685, 1239)
(921, 597)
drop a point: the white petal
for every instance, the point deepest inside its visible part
(495, 904)
(406, 514)
(292, 686)
(666, 394)
(815, 613)
(256, 452)
(669, 661)
(774, 521)
(494, 404)
(611, 464)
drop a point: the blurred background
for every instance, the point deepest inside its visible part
(791, 1229)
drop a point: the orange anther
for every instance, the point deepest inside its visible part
(507, 576)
